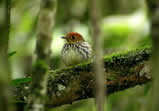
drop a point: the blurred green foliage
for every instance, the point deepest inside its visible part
(124, 26)
(119, 34)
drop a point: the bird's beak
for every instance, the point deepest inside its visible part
(63, 37)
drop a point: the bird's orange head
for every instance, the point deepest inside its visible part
(73, 37)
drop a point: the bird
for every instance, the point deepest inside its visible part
(76, 50)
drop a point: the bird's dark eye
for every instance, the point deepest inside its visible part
(73, 37)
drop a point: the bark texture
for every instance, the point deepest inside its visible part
(124, 70)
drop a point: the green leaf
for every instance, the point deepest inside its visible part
(11, 53)
(20, 81)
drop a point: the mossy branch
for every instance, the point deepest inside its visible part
(123, 70)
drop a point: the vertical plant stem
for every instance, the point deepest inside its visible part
(155, 59)
(5, 93)
(154, 17)
(43, 44)
(98, 51)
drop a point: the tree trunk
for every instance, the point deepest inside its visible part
(41, 67)
(5, 77)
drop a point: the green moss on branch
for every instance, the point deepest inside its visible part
(123, 70)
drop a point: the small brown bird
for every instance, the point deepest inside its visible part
(76, 49)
